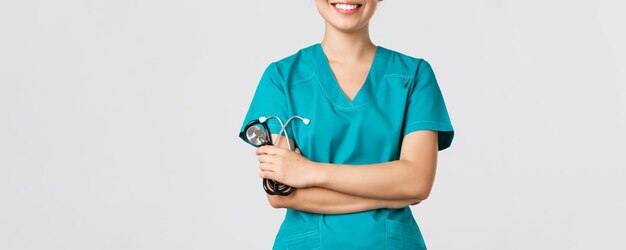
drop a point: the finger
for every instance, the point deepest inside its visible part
(267, 149)
(265, 158)
(266, 167)
(267, 175)
(298, 151)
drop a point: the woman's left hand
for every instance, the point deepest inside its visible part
(286, 166)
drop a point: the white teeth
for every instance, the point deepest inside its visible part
(342, 6)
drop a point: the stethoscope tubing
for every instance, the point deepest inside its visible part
(270, 186)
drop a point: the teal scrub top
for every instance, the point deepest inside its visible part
(400, 95)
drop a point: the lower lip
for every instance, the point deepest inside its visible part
(348, 12)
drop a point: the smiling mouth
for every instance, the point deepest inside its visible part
(347, 8)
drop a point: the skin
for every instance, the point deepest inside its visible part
(338, 188)
(326, 201)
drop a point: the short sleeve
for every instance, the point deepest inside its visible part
(268, 100)
(426, 108)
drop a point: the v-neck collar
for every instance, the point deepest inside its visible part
(331, 87)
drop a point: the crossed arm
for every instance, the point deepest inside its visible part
(337, 188)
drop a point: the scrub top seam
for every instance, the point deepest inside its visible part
(386, 235)
(395, 75)
(284, 89)
(319, 84)
(319, 227)
(410, 123)
(301, 81)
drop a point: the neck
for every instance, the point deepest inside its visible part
(347, 46)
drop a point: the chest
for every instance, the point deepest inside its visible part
(366, 132)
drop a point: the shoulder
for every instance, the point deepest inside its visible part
(403, 64)
(416, 70)
(294, 67)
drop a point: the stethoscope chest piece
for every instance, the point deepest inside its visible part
(258, 134)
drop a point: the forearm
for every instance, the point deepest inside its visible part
(326, 201)
(400, 179)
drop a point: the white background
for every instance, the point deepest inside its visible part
(119, 120)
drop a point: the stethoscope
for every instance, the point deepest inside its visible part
(261, 136)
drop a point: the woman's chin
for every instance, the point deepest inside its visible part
(346, 26)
